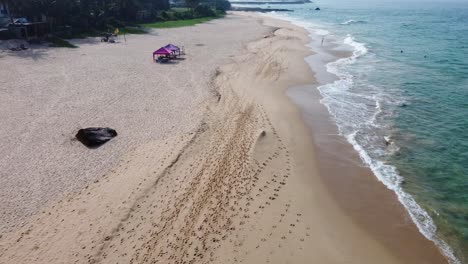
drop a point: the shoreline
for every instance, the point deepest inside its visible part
(325, 141)
(246, 183)
(390, 223)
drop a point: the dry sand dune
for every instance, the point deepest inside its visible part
(238, 186)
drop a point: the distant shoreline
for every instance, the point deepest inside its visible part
(259, 9)
(269, 2)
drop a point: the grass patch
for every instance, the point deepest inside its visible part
(61, 43)
(179, 23)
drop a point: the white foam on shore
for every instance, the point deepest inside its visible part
(350, 22)
(387, 174)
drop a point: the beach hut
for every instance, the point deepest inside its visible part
(162, 52)
(29, 31)
(173, 48)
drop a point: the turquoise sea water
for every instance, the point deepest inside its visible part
(402, 101)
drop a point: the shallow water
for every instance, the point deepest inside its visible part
(402, 101)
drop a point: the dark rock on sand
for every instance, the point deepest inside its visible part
(94, 137)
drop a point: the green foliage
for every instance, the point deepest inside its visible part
(165, 16)
(183, 15)
(85, 15)
(83, 18)
(222, 5)
(204, 11)
(192, 3)
(180, 9)
(178, 23)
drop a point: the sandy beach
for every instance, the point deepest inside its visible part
(213, 162)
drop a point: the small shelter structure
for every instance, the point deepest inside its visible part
(162, 52)
(172, 48)
(29, 30)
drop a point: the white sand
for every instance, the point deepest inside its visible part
(46, 95)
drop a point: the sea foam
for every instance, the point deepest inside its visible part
(350, 22)
(387, 174)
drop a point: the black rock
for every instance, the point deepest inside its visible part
(317, 9)
(94, 137)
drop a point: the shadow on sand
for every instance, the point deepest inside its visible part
(82, 41)
(171, 62)
(34, 53)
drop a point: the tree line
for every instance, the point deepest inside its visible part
(100, 14)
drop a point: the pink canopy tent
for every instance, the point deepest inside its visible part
(173, 48)
(162, 51)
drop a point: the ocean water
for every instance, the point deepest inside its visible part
(402, 101)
